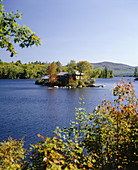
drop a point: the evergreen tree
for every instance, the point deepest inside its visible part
(136, 72)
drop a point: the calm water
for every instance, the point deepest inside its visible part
(27, 109)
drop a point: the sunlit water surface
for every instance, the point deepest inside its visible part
(27, 109)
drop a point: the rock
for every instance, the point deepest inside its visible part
(95, 85)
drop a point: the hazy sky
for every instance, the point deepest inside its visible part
(92, 30)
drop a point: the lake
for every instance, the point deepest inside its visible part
(27, 109)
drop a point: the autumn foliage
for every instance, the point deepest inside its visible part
(104, 139)
(51, 70)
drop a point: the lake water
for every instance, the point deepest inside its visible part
(27, 109)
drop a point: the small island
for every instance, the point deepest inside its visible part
(65, 80)
(73, 75)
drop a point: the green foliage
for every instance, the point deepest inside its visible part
(59, 66)
(92, 81)
(83, 66)
(106, 74)
(80, 82)
(39, 81)
(22, 71)
(37, 69)
(11, 32)
(46, 154)
(113, 133)
(12, 154)
(18, 63)
(71, 67)
(136, 72)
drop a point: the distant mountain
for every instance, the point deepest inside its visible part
(117, 68)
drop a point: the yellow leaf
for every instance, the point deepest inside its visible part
(18, 166)
(93, 160)
(119, 166)
(62, 162)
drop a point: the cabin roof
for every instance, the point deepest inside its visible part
(62, 73)
(45, 77)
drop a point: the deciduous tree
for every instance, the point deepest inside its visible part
(71, 67)
(51, 70)
(11, 32)
(83, 66)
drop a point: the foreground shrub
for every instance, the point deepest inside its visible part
(103, 139)
(12, 154)
(112, 135)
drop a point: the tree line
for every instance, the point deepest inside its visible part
(33, 70)
(136, 72)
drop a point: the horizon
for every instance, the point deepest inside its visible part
(75, 61)
(94, 31)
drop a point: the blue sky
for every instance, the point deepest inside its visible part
(92, 30)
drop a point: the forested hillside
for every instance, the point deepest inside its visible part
(118, 69)
(18, 70)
